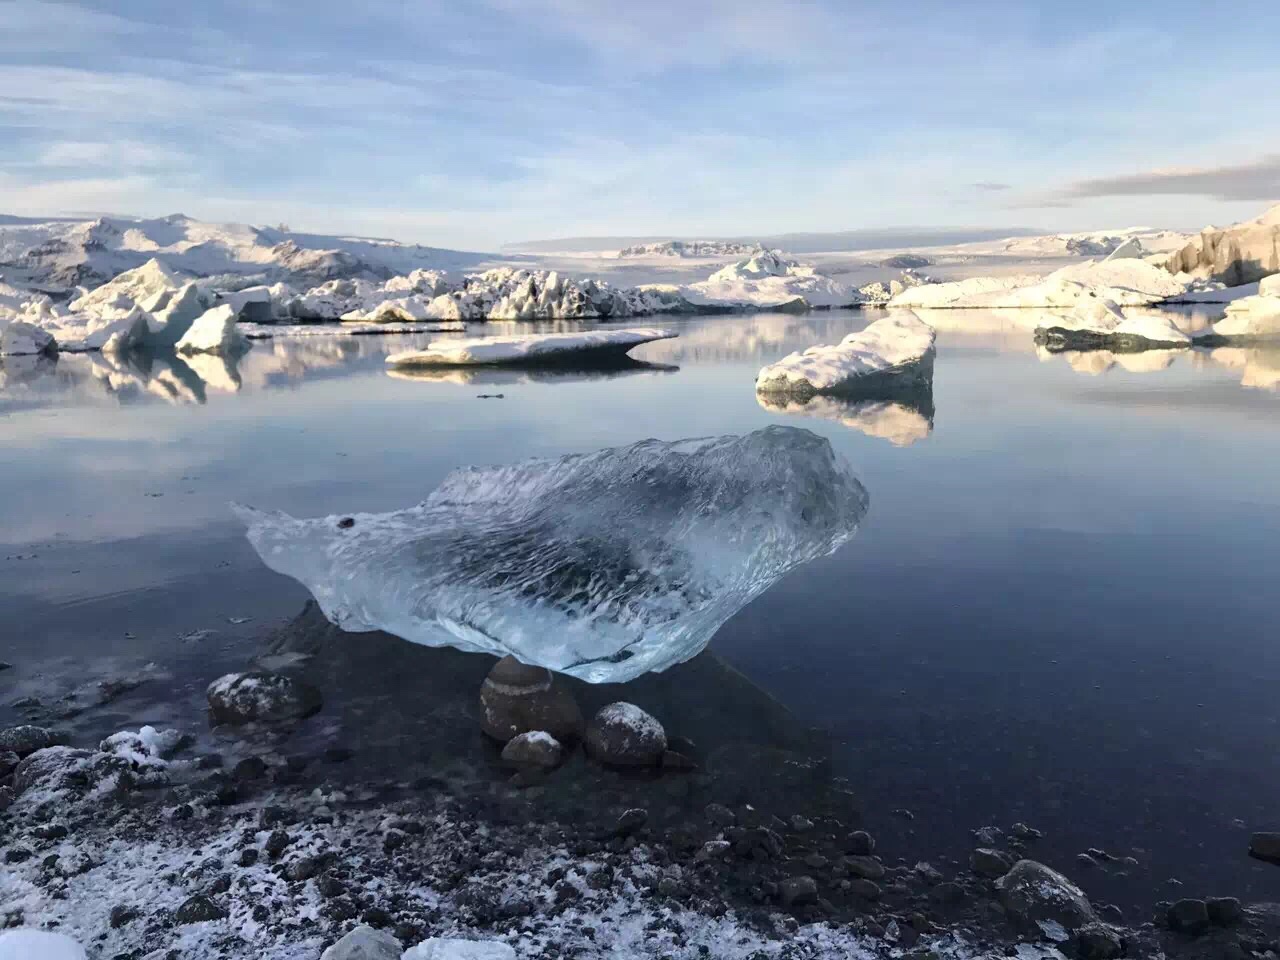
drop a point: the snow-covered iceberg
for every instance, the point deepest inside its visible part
(1097, 323)
(894, 352)
(214, 331)
(530, 349)
(1253, 318)
(604, 565)
(1124, 280)
(903, 420)
(769, 281)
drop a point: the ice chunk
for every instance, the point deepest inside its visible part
(27, 944)
(1101, 323)
(19, 339)
(534, 348)
(132, 287)
(1256, 317)
(896, 349)
(443, 948)
(214, 331)
(604, 565)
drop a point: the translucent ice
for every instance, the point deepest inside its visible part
(604, 565)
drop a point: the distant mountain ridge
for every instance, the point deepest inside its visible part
(58, 254)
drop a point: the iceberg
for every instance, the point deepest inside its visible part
(1240, 254)
(895, 352)
(768, 281)
(20, 339)
(214, 331)
(603, 566)
(1253, 318)
(1098, 323)
(531, 349)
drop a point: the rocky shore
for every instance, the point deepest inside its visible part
(587, 830)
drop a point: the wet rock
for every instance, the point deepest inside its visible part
(261, 697)
(198, 909)
(1025, 833)
(674, 760)
(1032, 894)
(713, 850)
(536, 749)
(277, 842)
(868, 868)
(6, 798)
(989, 863)
(121, 915)
(624, 735)
(721, 815)
(1265, 846)
(1224, 911)
(8, 762)
(1188, 916)
(304, 868)
(27, 739)
(1098, 942)
(867, 889)
(795, 891)
(860, 843)
(52, 769)
(516, 698)
(947, 893)
(250, 768)
(364, 943)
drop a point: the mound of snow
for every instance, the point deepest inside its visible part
(604, 566)
(534, 348)
(1256, 317)
(896, 350)
(768, 281)
(1101, 323)
(214, 331)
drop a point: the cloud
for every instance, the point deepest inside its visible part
(1258, 180)
(990, 186)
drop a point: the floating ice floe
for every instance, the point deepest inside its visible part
(1098, 323)
(895, 352)
(531, 349)
(901, 421)
(307, 331)
(566, 371)
(1125, 280)
(604, 565)
(21, 339)
(768, 281)
(1256, 317)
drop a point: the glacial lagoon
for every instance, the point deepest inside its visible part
(1057, 610)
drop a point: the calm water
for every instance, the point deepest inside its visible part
(1060, 608)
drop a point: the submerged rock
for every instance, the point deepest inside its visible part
(516, 699)
(1033, 895)
(258, 696)
(624, 735)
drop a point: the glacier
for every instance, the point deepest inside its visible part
(603, 566)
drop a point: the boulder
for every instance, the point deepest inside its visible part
(1188, 916)
(989, 863)
(1265, 846)
(8, 761)
(1098, 942)
(798, 890)
(868, 868)
(536, 749)
(516, 698)
(52, 769)
(259, 696)
(198, 909)
(26, 740)
(624, 735)
(1034, 895)
(1224, 911)
(364, 943)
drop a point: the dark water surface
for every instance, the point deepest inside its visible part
(1061, 608)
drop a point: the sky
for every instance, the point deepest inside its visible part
(473, 123)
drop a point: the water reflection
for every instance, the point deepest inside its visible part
(1259, 366)
(903, 419)
(1095, 363)
(507, 376)
(604, 566)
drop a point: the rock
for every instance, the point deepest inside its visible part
(250, 768)
(6, 798)
(866, 867)
(122, 915)
(867, 889)
(26, 740)
(928, 873)
(440, 948)
(1033, 894)
(674, 760)
(630, 821)
(1265, 846)
(52, 769)
(860, 843)
(713, 850)
(364, 943)
(1098, 942)
(1224, 911)
(1188, 916)
(989, 863)
(721, 815)
(261, 697)
(8, 762)
(537, 749)
(516, 698)
(798, 890)
(624, 735)
(304, 869)
(198, 909)
(800, 824)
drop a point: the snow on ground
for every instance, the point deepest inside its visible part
(1100, 322)
(897, 348)
(526, 349)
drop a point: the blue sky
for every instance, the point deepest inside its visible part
(475, 122)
